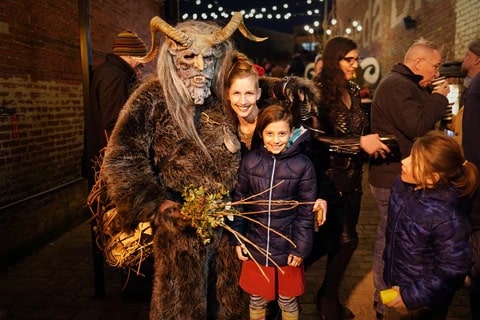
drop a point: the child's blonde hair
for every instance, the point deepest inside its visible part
(438, 155)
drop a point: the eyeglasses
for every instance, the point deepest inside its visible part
(351, 60)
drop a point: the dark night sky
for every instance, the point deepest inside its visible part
(298, 8)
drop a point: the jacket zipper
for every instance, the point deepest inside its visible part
(269, 209)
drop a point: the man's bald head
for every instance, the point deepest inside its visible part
(420, 49)
(423, 58)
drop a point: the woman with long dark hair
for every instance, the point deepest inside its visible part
(341, 118)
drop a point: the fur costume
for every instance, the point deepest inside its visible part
(171, 134)
(142, 172)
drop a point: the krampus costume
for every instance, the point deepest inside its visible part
(172, 133)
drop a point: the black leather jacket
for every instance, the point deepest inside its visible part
(337, 150)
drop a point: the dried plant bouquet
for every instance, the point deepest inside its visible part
(205, 212)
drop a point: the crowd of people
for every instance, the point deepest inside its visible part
(288, 153)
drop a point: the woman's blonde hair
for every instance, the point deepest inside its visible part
(239, 66)
(437, 160)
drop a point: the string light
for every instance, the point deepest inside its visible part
(198, 9)
(327, 24)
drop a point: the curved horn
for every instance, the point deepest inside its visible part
(235, 23)
(158, 24)
(247, 34)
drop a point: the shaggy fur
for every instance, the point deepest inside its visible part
(148, 161)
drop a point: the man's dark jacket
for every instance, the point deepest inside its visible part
(402, 108)
(111, 85)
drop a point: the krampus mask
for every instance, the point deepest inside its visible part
(195, 51)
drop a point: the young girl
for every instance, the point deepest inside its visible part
(278, 163)
(427, 253)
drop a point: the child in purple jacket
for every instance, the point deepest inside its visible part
(276, 171)
(427, 252)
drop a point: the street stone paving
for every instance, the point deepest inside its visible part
(56, 282)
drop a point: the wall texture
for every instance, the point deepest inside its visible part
(41, 119)
(451, 24)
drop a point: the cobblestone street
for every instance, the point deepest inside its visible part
(56, 282)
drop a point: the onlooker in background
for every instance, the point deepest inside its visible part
(277, 71)
(456, 125)
(267, 65)
(404, 106)
(279, 159)
(111, 85)
(340, 175)
(296, 66)
(260, 70)
(471, 147)
(427, 253)
(317, 65)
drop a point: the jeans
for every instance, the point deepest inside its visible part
(382, 195)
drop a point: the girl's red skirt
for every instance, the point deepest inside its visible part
(290, 283)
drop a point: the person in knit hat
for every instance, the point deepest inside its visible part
(475, 47)
(470, 132)
(128, 43)
(111, 85)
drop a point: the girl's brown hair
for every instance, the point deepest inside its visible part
(273, 113)
(438, 155)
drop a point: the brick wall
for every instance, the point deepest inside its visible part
(467, 27)
(42, 192)
(108, 18)
(449, 23)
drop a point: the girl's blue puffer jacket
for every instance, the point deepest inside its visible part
(427, 253)
(259, 171)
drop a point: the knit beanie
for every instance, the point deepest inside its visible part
(128, 43)
(474, 46)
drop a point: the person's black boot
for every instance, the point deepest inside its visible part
(331, 308)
